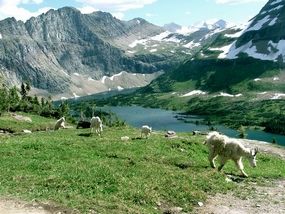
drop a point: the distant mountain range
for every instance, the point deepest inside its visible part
(66, 54)
(236, 61)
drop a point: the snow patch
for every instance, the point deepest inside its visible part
(277, 96)
(222, 94)
(276, 79)
(131, 52)
(273, 21)
(172, 39)
(262, 93)
(251, 50)
(120, 88)
(63, 98)
(225, 51)
(153, 50)
(235, 35)
(276, 8)
(138, 21)
(90, 79)
(161, 36)
(76, 74)
(195, 92)
(192, 44)
(137, 42)
(116, 75)
(103, 79)
(256, 79)
(259, 24)
(276, 2)
(75, 95)
(1, 36)
(66, 74)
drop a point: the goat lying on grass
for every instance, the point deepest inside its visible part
(228, 148)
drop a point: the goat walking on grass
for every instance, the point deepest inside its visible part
(229, 149)
(96, 125)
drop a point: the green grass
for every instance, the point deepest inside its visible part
(9, 123)
(84, 172)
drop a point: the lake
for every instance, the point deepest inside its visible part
(160, 119)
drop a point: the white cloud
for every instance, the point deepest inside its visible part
(118, 15)
(117, 5)
(9, 8)
(87, 9)
(237, 1)
(32, 1)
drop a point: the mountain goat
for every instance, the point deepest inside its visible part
(146, 130)
(96, 125)
(228, 148)
(59, 123)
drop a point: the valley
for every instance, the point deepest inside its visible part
(75, 62)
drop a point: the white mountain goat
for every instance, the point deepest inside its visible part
(146, 130)
(59, 123)
(96, 125)
(228, 148)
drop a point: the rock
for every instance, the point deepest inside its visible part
(200, 204)
(125, 138)
(174, 210)
(27, 131)
(22, 118)
(228, 180)
(170, 134)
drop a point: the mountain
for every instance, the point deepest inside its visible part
(50, 50)
(264, 38)
(247, 59)
(177, 41)
(64, 53)
(172, 27)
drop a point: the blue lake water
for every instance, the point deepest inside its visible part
(160, 119)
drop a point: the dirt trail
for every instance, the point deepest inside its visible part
(9, 206)
(254, 199)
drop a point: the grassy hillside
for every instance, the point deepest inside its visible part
(21, 120)
(213, 75)
(82, 172)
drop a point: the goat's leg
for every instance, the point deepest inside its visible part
(240, 166)
(222, 163)
(212, 157)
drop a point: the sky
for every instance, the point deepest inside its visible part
(159, 12)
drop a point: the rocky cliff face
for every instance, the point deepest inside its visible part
(46, 50)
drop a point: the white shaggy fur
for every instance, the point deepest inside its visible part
(146, 130)
(59, 123)
(229, 148)
(96, 125)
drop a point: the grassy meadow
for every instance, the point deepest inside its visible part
(83, 172)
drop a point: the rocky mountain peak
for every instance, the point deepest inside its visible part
(264, 38)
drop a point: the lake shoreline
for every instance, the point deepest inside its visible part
(164, 120)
